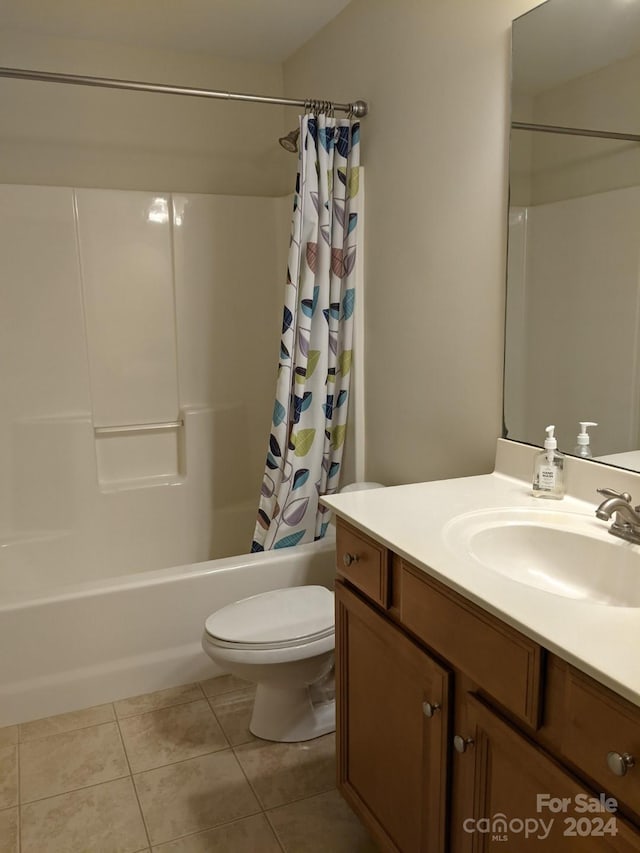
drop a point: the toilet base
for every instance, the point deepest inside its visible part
(290, 714)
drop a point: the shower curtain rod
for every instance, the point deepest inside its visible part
(357, 108)
(575, 131)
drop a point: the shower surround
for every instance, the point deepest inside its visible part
(139, 345)
(139, 350)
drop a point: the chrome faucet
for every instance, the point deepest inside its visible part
(626, 523)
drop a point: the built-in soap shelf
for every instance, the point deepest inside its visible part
(116, 430)
(135, 456)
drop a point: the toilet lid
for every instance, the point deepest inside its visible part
(282, 615)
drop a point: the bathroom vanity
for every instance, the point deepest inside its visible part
(476, 712)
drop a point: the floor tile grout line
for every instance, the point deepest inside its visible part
(210, 828)
(219, 722)
(133, 785)
(300, 799)
(242, 690)
(183, 760)
(226, 746)
(159, 710)
(27, 743)
(161, 707)
(255, 793)
(213, 828)
(209, 700)
(18, 777)
(75, 790)
(80, 787)
(132, 772)
(275, 832)
(65, 731)
(19, 792)
(223, 692)
(290, 802)
(115, 718)
(266, 809)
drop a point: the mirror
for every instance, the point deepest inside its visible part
(572, 348)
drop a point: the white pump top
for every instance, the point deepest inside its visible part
(550, 442)
(583, 435)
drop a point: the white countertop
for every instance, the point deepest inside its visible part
(602, 641)
(629, 459)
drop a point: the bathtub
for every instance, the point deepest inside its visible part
(85, 644)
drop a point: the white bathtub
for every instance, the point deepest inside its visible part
(96, 642)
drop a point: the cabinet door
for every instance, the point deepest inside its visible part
(518, 797)
(392, 727)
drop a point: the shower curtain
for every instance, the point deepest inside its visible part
(312, 393)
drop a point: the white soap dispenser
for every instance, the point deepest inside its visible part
(548, 469)
(582, 447)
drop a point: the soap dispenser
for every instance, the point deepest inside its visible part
(582, 441)
(548, 470)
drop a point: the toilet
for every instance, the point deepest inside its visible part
(284, 641)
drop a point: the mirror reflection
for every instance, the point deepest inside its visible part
(572, 351)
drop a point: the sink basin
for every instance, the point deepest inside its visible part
(562, 553)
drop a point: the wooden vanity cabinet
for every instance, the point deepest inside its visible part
(447, 716)
(505, 775)
(392, 729)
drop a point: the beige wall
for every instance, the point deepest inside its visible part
(435, 73)
(86, 137)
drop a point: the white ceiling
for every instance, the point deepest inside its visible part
(261, 30)
(555, 42)
(563, 39)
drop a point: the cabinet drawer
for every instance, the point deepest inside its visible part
(506, 664)
(363, 562)
(599, 722)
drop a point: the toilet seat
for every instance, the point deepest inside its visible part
(284, 642)
(278, 619)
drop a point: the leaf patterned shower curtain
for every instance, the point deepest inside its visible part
(312, 393)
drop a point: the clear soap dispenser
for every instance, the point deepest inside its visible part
(582, 447)
(548, 469)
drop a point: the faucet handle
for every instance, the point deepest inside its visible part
(611, 493)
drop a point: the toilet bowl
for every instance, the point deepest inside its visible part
(282, 640)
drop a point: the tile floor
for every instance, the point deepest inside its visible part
(176, 771)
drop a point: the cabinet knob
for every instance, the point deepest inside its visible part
(429, 708)
(349, 558)
(460, 744)
(619, 764)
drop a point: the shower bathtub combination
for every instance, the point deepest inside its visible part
(143, 338)
(93, 642)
